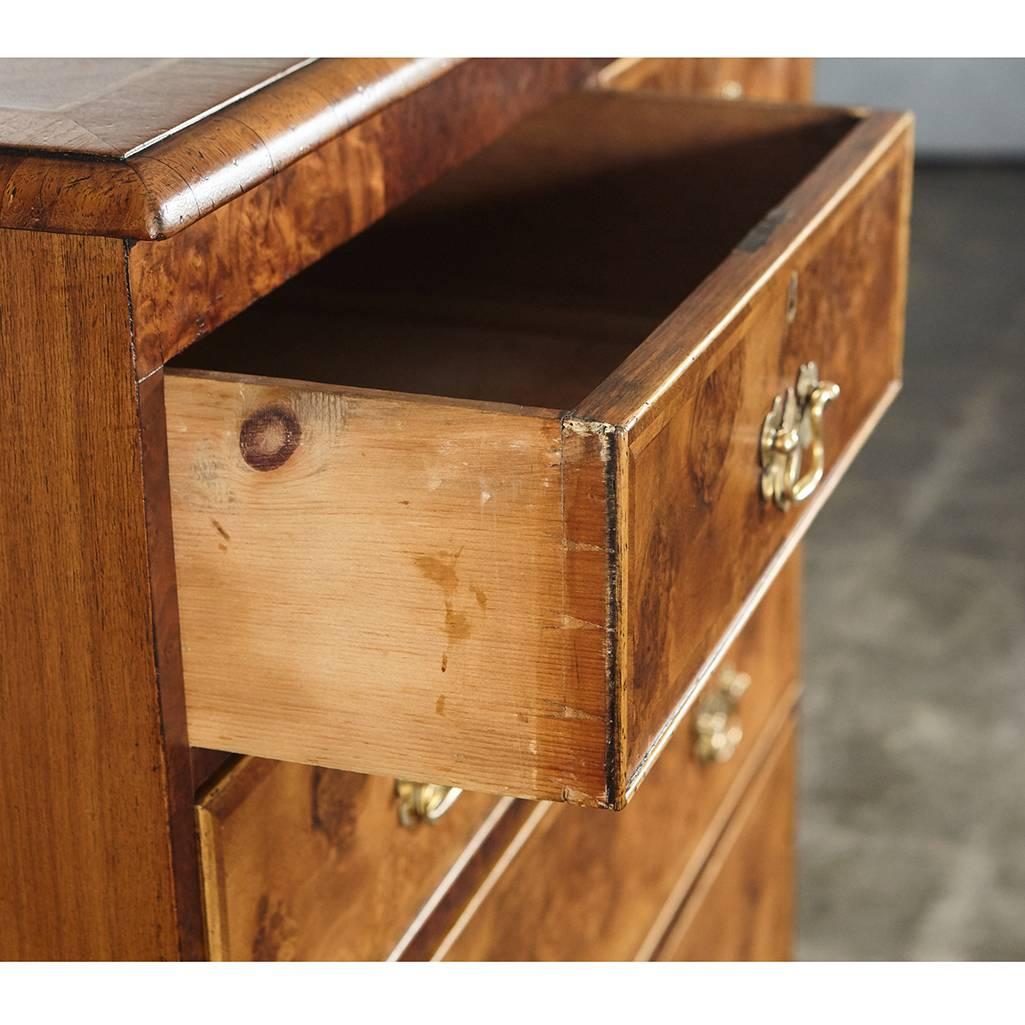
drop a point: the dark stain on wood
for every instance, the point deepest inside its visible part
(457, 624)
(220, 530)
(614, 773)
(276, 932)
(335, 804)
(441, 570)
(760, 234)
(269, 437)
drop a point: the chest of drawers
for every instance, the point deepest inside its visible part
(447, 422)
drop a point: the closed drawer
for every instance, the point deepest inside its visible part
(576, 884)
(305, 863)
(478, 498)
(742, 906)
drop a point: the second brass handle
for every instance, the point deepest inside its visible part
(793, 427)
(423, 802)
(717, 728)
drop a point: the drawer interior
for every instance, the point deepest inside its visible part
(528, 275)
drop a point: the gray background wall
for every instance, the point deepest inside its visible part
(964, 107)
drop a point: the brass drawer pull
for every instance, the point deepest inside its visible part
(717, 729)
(793, 425)
(423, 802)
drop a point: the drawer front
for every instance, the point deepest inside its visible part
(742, 906)
(590, 886)
(463, 507)
(303, 863)
(701, 540)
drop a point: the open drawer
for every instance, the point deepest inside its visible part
(482, 497)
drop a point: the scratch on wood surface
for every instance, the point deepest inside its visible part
(572, 623)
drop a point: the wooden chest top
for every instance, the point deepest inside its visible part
(140, 149)
(112, 109)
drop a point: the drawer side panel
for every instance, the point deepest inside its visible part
(389, 596)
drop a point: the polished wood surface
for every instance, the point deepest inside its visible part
(780, 79)
(579, 884)
(112, 108)
(634, 519)
(285, 224)
(742, 906)
(307, 864)
(87, 866)
(173, 183)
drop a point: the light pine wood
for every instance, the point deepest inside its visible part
(90, 751)
(397, 586)
(742, 906)
(604, 528)
(309, 864)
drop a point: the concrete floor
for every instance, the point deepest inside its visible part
(912, 829)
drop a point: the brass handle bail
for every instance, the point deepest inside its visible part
(717, 729)
(423, 802)
(793, 427)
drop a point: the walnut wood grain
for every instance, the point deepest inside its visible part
(111, 108)
(659, 520)
(578, 885)
(308, 864)
(87, 801)
(742, 906)
(166, 186)
(185, 287)
(779, 79)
